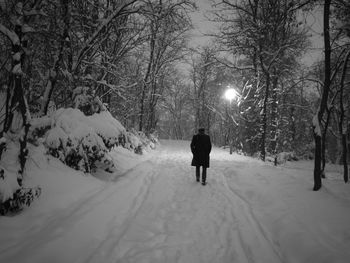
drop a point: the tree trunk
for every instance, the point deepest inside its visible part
(323, 146)
(55, 69)
(342, 125)
(324, 99)
(274, 121)
(317, 163)
(145, 83)
(16, 101)
(344, 157)
(292, 125)
(264, 119)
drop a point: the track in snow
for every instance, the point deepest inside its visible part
(156, 212)
(182, 221)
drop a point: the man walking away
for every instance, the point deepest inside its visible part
(201, 147)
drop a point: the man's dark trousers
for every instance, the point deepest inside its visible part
(204, 173)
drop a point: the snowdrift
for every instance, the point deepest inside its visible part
(84, 143)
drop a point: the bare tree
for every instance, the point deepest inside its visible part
(176, 104)
(167, 24)
(269, 37)
(203, 65)
(335, 68)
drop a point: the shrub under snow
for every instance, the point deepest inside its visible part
(82, 142)
(8, 185)
(139, 142)
(111, 131)
(13, 196)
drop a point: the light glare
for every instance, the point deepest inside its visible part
(230, 94)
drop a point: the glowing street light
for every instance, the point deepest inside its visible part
(230, 94)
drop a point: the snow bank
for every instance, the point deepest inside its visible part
(133, 142)
(8, 171)
(85, 143)
(71, 128)
(282, 157)
(82, 142)
(14, 193)
(108, 128)
(140, 142)
(8, 185)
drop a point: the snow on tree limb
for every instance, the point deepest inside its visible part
(27, 29)
(17, 69)
(34, 12)
(12, 36)
(89, 43)
(229, 65)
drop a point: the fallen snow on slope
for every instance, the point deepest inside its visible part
(152, 210)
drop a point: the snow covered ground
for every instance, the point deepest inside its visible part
(152, 210)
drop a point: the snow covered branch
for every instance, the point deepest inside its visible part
(12, 36)
(230, 65)
(90, 42)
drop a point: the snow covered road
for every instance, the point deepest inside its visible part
(156, 212)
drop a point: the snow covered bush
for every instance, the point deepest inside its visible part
(8, 185)
(133, 142)
(140, 142)
(82, 142)
(111, 131)
(13, 196)
(38, 128)
(20, 198)
(154, 139)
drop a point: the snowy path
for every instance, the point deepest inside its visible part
(156, 212)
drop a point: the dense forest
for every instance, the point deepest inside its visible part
(132, 59)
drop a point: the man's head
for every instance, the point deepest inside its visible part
(201, 130)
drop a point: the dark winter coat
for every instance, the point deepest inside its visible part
(200, 147)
